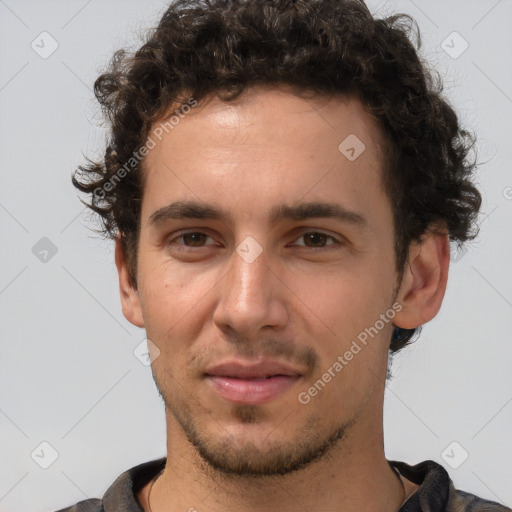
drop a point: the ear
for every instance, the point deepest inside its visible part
(424, 281)
(130, 301)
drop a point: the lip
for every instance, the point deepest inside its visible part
(251, 383)
(246, 370)
(245, 391)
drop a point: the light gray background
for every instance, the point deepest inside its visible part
(68, 374)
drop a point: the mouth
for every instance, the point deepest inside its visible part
(257, 390)
(254, 384)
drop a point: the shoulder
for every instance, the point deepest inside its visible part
(437, 493)
(461, 501)
(90, 505)
(122, 494)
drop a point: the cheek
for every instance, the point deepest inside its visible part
(353, 361)
(176, 304)
(350, 304)
(344, 300)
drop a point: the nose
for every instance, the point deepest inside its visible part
(251, 298)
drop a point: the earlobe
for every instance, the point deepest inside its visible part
(424, 282)
(130, 301)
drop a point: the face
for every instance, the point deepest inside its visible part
(265, 259)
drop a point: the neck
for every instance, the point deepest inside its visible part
(353, 476)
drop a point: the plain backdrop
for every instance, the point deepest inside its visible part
(68, 374)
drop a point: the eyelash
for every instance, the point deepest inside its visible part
(335, 241)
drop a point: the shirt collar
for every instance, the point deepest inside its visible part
(433, 480)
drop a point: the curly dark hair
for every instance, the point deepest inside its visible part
(323, 47)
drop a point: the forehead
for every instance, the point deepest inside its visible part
(271, 114)
(268, 147)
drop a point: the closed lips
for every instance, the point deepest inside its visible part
(251, 377)
(261, 371)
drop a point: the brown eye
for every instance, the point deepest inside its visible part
(195, 239)
(315, 239)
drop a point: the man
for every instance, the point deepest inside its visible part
(282, 180)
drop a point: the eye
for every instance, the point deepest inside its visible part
(317, 239)
(191, 239)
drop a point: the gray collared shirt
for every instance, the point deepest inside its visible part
(436, 492)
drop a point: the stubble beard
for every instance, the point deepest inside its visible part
(227, 455)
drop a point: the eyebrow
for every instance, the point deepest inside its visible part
(301, 211)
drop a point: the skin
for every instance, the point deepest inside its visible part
(302, 301)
